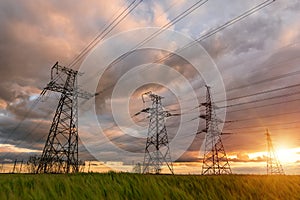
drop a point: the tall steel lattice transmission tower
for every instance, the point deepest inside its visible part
(215, 161)
(273, 165)
(60, 153)
(157, 151)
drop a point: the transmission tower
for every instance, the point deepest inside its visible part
(273, 165)
(215, 161)
(157, 149)
(60, 153)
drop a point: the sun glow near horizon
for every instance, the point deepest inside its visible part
(284, 155)
(288, 155)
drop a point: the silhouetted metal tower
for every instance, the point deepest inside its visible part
(60, 154)
(157, 149)
(273, 165)
(215, 161)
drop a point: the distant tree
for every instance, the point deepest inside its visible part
(33, 163)
(137, 168)
(81, 165)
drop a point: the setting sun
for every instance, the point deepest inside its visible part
(288, 155)
(284, 154)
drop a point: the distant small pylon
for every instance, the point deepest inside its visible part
(274, 167)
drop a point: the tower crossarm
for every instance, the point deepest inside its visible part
(59, 74)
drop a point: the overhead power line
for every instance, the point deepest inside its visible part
(264, 99)
(263, 106)
(263, 126)
(255, 83)
(105, 32)
(260, 93)
(273, 129)
(267, 80)
(266, 116)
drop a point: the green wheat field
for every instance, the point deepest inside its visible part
(136, 186)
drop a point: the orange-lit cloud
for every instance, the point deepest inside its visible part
(3, 104)
(13, 148)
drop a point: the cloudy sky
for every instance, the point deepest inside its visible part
(257, 55)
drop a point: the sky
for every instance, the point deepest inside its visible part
(258, 54)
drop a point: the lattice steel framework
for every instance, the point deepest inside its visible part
(215, 161)
(60, 153)
(274, 167)
(157, 151)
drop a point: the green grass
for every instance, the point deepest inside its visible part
(134, 186)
